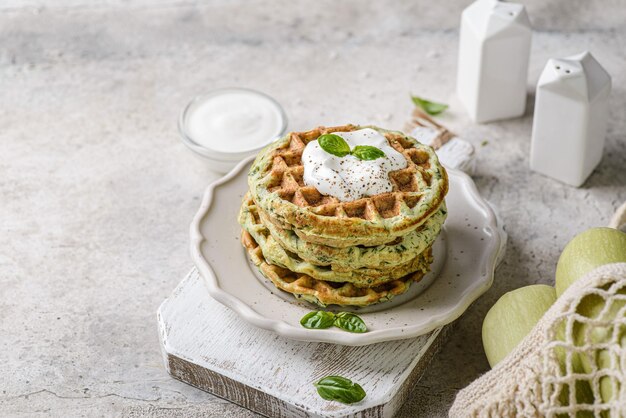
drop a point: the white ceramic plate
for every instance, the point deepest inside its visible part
(469, 245)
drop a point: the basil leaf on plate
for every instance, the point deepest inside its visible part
(340, 389)
(430, 107)
(318, 320)
(350, 322)
(367, 152)
(334, 144)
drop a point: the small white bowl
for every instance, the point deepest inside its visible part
(223, 161)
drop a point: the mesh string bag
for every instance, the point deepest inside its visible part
(572, 364)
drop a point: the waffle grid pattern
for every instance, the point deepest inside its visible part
(401, 250)
(274, 253)
(277, 185)
(326, 251)
(321, 292)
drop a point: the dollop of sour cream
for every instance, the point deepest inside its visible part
(348, 178)
(235, 121)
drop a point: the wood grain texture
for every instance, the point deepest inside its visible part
(207, 346)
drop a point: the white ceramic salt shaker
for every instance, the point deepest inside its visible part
(493, 60)
(571, 114)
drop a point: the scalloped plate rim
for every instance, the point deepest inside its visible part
(331, 336)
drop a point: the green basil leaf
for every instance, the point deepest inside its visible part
(367, 152)
(432, 108)
(334, 144)
(318, 320)
(340, 389)
(350, 322)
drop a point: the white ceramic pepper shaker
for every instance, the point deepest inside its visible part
(493, 60)
(571, 114)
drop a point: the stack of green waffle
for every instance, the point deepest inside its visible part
(326, 251)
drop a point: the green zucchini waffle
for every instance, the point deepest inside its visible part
(277, 186)
(324, 293)
(333, 252)
(275, 254)
(401, 250)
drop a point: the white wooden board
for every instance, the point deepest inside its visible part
(206, 345)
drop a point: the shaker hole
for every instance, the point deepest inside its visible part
(557, 67)
(512, 14)
(567, 71)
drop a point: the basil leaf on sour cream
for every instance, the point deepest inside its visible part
(334, 144)
(367, 152)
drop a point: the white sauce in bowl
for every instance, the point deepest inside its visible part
(348, 178)
(232, 121)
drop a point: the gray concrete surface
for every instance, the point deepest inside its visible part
(96, 190)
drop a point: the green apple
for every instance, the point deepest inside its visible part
(591, 306)
(512, 317)
(588, 250)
